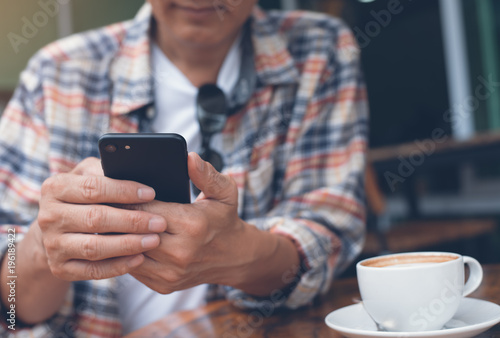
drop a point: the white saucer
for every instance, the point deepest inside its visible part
(473, 317)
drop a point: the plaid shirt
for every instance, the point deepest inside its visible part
(296, 151)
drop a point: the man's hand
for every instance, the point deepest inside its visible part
(206, 242)
(199, 236)
(74, 211)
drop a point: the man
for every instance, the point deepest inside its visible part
(285, 215)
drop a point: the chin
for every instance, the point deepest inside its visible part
(203, 28)
(200, 37)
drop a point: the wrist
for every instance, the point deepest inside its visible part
(233, 254)
(272, 258)
(40, 293)
(31, 249)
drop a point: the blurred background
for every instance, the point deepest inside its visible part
(432, 72)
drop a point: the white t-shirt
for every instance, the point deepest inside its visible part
(175, 105)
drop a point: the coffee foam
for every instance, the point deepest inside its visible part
(407, 260)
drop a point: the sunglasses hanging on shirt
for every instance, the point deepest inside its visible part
(211, 111)
(213, 107)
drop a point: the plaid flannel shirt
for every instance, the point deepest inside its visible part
(296, 151)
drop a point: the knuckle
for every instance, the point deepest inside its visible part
(89, 161)
(196, 230)
(86, 167)
(49, 184)
(212, 176)
(45, 219)
(91, 188)
(93, 272)
(57, 271)
(50, 246)
(217, 180)
(90, 248)
(82, 164)
(171, 277)
(220, 180)
(135, 222)
(124, 188)
(94, 218)
(127, 245)
(184, 259)
(55, 184)
(121, 269)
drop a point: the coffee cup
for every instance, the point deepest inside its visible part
(418, 291)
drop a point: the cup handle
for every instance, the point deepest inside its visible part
(475, 276)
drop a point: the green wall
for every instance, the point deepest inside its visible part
(87, 14)
(11, 21)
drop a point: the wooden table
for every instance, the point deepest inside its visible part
(221, 320)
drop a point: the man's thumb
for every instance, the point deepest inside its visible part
(213, 184)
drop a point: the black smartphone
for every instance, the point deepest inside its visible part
(156, 160)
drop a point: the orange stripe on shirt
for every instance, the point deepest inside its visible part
(324, 198)
(20, 117)
(334, 159)
(13, 182)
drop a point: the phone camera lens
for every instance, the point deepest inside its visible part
(110, 148)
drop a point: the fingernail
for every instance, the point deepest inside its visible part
(150, 241)
(157, 224)
(146, 194)
(132, 263)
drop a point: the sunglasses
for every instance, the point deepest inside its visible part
(211, 111)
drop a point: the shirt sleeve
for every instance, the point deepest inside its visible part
(24, 152)
(322, 206)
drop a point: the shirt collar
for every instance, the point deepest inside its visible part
(273, 62)
(131, 71)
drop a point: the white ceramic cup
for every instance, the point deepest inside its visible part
(418, 291)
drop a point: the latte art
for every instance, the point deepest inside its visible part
(403, 261)
(407, 265)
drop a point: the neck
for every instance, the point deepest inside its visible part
(200, 64)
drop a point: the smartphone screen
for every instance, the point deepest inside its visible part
(156, 160)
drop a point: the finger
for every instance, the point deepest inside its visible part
(175, 215)
(97, 248)
(103, 219)
(166, 278)
(100, 219)
(72, 188)
(213, 184)
(155, 283)
(76, 270)
(178, 253)
(90, 166)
